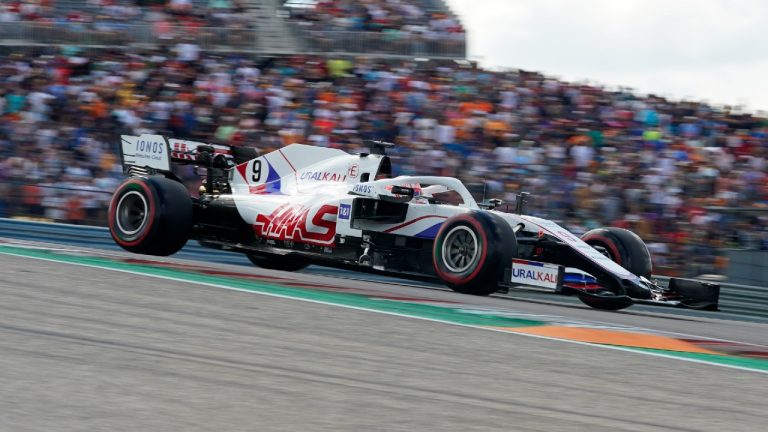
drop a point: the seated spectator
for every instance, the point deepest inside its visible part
(589, 156)
(374, 16)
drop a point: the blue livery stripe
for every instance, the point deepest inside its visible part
(578, 277)
(273, 180)
(430, 232)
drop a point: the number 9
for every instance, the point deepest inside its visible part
(256, 170)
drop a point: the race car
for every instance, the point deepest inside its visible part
(302, 205)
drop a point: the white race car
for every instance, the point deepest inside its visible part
(302, 205)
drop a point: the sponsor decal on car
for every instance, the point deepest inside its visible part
(353, 170)
(345, 210)
(363, 189)
(535, 273)
(299, 223)
(324, 176)
(146, 151)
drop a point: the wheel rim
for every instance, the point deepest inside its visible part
(132, 213)
(461, 249)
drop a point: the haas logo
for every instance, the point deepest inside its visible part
(294, 223)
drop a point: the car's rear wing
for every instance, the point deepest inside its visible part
(149, 153)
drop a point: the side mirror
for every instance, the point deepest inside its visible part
(402, 190)
(491, 203)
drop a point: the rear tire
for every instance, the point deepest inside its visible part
(275, 262)
(471, 251)
(151, 216)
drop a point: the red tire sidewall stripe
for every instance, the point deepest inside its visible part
(448, 277)
(608, 242)
(113, 210)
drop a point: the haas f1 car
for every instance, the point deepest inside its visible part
(302, 205)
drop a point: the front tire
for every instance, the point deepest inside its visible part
(471, 251)
(623, 247)
(626, 249)
(151, 216)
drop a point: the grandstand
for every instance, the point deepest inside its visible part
(662, 168)
(257, 26)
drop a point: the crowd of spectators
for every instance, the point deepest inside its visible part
(115, 21)
(384, 16)
(589, 156)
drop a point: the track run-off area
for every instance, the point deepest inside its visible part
(97, 339)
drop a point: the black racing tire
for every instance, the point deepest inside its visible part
(151, 216)
(276, 262)
(624, 247)
(471, 251)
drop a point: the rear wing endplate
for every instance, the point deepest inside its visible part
(145, 151)
(149, 152)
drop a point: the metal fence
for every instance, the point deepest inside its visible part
(120, 34)
(75, 204)
(748, 266)
(98, 237)
(736, 301)
(106, 34)
(394, 44)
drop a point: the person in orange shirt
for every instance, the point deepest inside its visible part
(484, 105)
(459, 124)
(467, 107)
(327, 96)
(31, 199)
(75, 213)
(495, 127)
(96, 109)
(471, 106)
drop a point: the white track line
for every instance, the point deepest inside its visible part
(611, 347)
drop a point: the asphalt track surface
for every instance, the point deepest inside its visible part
(91, 349)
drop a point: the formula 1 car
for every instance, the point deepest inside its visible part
(302, 205)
